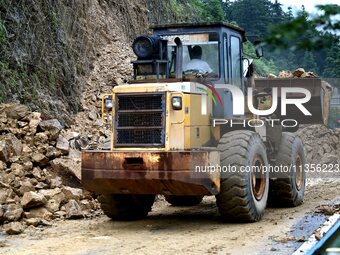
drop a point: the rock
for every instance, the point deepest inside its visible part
(40, 212)
(32, 222)
(92, 115)
(16, 111)
(56, 194)
(60, 214)
(14, 144)
(40, 138)
(17, 169)
(72, 193)
(73, 210)
(32, 199)
(71, 135)
(26, 149)
(41, 185)
(2, 166)
(3, 196)
(13, 212)
(27, 166)
(26, 186)
(4, 152)
(298, 72)
(52, 205)
(34, 122)
(13, 228)
(63, 144)
(37, 173)
(56, 182)
(74, 154)
(37, 222)
(53, 127)
(40, 159)
(69, 169)
(52, 152)
(271, 76)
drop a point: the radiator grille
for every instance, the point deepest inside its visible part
(140, 120)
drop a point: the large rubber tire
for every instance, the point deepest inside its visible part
(183, 200)
(126, 206)
(242, 197)
(288, 189)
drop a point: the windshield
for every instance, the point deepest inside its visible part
(200, 54)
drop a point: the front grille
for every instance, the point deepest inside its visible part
(140, 120)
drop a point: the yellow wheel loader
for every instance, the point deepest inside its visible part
(194, 122)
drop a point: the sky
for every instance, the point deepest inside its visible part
(309, 4)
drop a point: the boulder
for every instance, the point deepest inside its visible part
(69, 170)
(53, 127)
(40, 159)
(34, 122)
(3, 196)
(14, 144)
(13, 212)
(72, 193)
(73, 210)
(56, 182)
(4, 151)
(13, 228)
(63, 144)
(299, 72)
(32, 199)
(55, 193)
(40, 212)
(17, 169)
(52, 205)
(37, 222)
(26, 186)
(52, 152)
(16, 111)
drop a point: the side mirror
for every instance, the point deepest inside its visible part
(259, 52)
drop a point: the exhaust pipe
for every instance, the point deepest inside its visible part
(179, 58)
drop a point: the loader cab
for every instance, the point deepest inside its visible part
(173, 57)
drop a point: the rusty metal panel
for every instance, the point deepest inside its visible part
(155, 172)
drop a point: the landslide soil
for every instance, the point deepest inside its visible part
(177, 230)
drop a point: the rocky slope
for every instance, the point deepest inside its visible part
(52, 51)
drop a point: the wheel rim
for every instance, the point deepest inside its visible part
(258, 179)
(299, 180)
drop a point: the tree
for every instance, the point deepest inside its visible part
(332, 66)
(213, 10)
(301, 32)
(308, 62)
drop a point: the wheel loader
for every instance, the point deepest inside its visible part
(186, 133)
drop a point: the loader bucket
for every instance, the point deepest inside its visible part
(318, 105)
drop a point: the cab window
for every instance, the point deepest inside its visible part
(235, 51)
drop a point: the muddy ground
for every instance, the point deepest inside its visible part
(179, 230)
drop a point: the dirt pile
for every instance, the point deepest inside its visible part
(39, 171)
(298, 73)
(322, 144)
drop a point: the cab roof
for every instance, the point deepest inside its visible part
(201, 25)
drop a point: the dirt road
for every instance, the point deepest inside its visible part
(185, 230)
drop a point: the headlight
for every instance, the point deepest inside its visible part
(108, 103)
(145, 46)
(177, 103)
